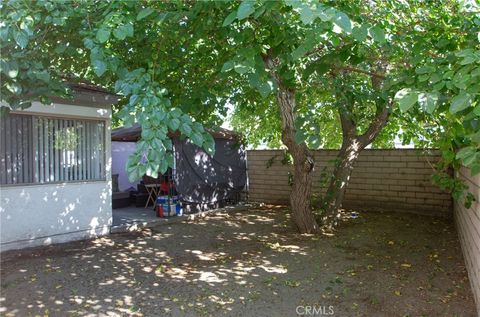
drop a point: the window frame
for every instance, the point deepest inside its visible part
(32, 164)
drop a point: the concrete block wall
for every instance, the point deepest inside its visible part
(468, 227)
(398, 180)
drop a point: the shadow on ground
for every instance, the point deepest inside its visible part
(246, 263)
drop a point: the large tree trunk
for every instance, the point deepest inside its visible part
(301, 195)
(338, 182)
(352, 145)
(303, 162)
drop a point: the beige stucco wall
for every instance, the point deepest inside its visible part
(32, 215)
(468, 226)
(397, 180)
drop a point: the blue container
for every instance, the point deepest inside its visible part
(169, 210)
(162, 200)
(178, 209)
(165, 200)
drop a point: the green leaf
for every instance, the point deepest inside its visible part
(476, 110)
(227, 66)
(144, 13)
(468, 155)
(299, 52)
(9, 68)
(322, 68)
(428, 102)
(120, 33)
(14, 88)
(163, 166)
(170, 160)
(460, 102)
(245, 9)
(21, 38)
(326, 13)
(465, 152)
(197, 139)
(300, 137)
(406, 98)
(424, 70)
(99, 67)
(43, 76)
(123, 31)
(475, 169)
(103, 34)
(230, 18)
(241, 68)
(209, 144)
(377, 34)
(306, 14)
(265, 89)
(174, 124)
(468, 60)
(475, 137)
(360, 33)
(185, 129)
(343, 22)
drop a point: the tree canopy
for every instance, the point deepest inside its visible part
(377, 69)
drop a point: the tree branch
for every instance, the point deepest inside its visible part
(361, 71)
(376, 126)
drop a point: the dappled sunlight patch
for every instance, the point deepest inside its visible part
(279, 269)
(253, 218)
(221, 301)
(103, 242)
(209, 278)
(233, 224)
(343, 217)
(286, 248)
(244, 236)
(176, 273)
(207, 256)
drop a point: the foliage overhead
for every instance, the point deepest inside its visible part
(182, 65)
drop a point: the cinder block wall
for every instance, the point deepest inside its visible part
(468, 227)
(398, 180)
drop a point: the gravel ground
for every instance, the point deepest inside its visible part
(247, 263)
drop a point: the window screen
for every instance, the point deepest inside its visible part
(35, 149)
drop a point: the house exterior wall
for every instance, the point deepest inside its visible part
(468, 227)
(120, 153)
(398, 180)
(38, 214)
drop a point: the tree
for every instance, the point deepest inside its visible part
(180, 64)
(361, 81)
(441, 88)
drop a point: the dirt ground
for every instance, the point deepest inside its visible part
(247, 263)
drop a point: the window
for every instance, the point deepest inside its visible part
(35, 149)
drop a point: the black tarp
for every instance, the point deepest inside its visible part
(203, 179)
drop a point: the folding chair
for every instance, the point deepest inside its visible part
(152, 185)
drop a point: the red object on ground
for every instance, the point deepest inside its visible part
(160, 211)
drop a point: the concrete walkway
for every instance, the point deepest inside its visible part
(136, 218)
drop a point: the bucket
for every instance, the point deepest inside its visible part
(167, 199)
(178, 209)
(162, 200)
(169, 210)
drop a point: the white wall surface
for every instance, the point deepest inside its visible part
(42, 214)
(120, 153)
(32, 215)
